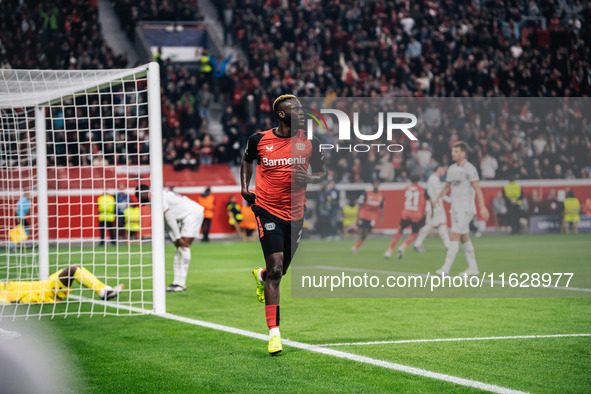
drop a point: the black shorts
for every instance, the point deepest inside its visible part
(416, 226)
(366, 224)
(278, 235)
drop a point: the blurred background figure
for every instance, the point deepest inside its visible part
(551, 205)
(106, 214)
(248, 225)
(513, 195)
(133, 223)
(349, 213)
(122, 201)
(323, 211)
(334, 210)
(207, 201)
(571, 217)
(234, 214)
(587, 209)
(534, 202)
(23, 206)
(500, 210)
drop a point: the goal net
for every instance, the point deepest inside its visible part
(74, 145)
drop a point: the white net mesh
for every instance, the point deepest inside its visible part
(97, 144)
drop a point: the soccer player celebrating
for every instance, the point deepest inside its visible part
(281, 180)
(462, 180)
(413, 214)
(55, 288)
(370, 210)
(183, 218)
(436, 217)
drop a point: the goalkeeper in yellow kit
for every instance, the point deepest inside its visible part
(55, 288)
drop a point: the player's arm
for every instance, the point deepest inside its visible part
(246, 171)
(480, 199)
(171, 223)
(382, 211)
(428, 198)
(247, 167)
(173, 228)
(443, 192)
(302, 177)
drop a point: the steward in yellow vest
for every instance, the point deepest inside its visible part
(106, 214)
(513, 194)
(571, 218)
(350, 212)
(133, 221)
(234, 211)
(106, 208)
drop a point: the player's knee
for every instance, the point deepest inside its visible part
(70, 271)
(274, 274)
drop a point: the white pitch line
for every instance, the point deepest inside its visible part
(349, 356)
(330, 352)
(329, 268)
(453, 339)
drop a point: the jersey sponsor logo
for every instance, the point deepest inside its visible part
(285, 161)
(269, 148)
(300, 146)
(269, 226)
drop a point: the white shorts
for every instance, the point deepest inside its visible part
(460, 222)
(191, 225)
(438, 218)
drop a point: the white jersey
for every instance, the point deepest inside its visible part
(434, 186)
(462, 192)
(179, 206)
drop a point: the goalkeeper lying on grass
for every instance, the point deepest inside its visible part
(55, 288)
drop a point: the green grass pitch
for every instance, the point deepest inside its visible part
(153, 354)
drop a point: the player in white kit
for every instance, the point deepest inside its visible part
(436, 217)
(462, 180)
(183, 218)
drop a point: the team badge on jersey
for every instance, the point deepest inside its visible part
(300, 146)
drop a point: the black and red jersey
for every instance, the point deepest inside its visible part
(415, 200)
(371, 205)
(278, 158)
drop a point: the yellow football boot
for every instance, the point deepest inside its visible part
(260, 285)
(275, 346)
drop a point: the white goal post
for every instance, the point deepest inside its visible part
(74, 145)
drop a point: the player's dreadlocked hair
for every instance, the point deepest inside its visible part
(279, 100)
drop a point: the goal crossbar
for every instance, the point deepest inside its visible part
(29, 88)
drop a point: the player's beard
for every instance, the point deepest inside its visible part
(298, 122)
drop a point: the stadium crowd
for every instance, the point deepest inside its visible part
(335, 48)
(438, 49)
(66, 34)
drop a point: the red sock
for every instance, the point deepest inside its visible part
(409, 240)
(395, 239)
(358, 244)
(272, 314)
(264, 274)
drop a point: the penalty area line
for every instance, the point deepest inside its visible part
(329, 352)
(453, 339)
(347, 356)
